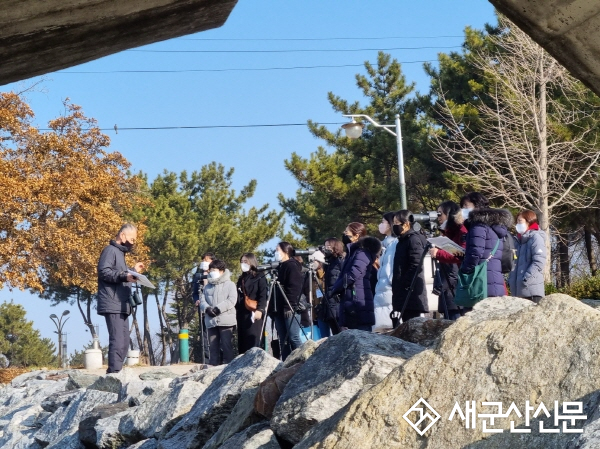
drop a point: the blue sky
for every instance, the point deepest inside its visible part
(257, 35)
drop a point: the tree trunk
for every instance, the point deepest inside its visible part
(563, 280)
(148, 350)
(163, 331)
(589, 249)
(544, 218)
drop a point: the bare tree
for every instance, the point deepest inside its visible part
(535, 146)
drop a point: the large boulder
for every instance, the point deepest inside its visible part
(342, 367)
(88, 427)
(301, 354)
(271, 389)
(506, 350)
(79, 380)
(258, 436)
(214, 405)
(241, 417)
(160, 412)
(18, 432)
(65, 421)
(422, 331)
(204, 376)
(58, 400)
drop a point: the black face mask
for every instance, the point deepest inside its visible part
(346, 239)
(127, 244)
(397, 229)
(327, 252)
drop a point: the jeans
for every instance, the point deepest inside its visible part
(454, 315)
(291, 342)
(220, 338)
(118, 340)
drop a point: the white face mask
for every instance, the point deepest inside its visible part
(204, 266)
(278, 257)
(466, 212)
(214, 274)
(443, 225)
(383, 228)
(521, 228)
(245, 267)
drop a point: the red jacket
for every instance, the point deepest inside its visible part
(458, 236)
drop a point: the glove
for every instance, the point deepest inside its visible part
(216, 311)
(210, 312)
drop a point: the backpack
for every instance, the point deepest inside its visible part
(509, 254)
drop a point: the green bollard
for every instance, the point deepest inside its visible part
(184, 346)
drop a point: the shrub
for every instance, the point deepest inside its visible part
(584, 288)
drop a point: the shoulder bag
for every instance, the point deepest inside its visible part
(472, 287)
(250, 304)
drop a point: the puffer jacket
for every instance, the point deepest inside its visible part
(222, 293)
(383, 289)
(113, 290)
(354, 284)
(407, 265)
(486, 227)
(527, 278)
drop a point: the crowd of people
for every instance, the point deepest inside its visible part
(358, 281)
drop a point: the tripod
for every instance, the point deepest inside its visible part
(275, 284)
(396, 320)
(203, 348)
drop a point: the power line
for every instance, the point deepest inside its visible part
(293, 51)
(145, 128)
(323, 38)
(251, 69)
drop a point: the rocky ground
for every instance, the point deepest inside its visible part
(353, 390)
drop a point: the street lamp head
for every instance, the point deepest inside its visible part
(53, 316)
(66, 312)
(353, 129)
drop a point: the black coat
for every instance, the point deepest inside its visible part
(407, 263)
(329, 306)
(291, 279)
(249, 333)
(113, 290)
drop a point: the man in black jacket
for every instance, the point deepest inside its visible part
(114, 289)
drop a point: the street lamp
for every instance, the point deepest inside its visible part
(58, 322)
(354, 131)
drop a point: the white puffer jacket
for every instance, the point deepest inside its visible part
(383, 290)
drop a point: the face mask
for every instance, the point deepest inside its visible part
(245, 267)
(204, 266)
(278, 257)
(521, 228)
(346, 239)
(466, 212)
(383, 228)
(327, 252)
(397, 229)
(443, 225)
(214, 274)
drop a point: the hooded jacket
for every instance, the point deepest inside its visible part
(354, 284)
(527, 278)
(113, 290)
(486, 227)
(383, 288)
(222, 293)
(407, 264)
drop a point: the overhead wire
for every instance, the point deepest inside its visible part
(296, 50)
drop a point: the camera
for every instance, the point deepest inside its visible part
(306, 252)
(200, 277)
(268, 266)
(428, 220)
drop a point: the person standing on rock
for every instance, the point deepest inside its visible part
(527, 278)
(486, 227)
(354, 282)
(252, 284)
(114, 289)
(451, 225)
(407, 265)
(218, 305)
(383, 289)
(327, 314)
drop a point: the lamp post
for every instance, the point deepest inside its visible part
(58, 322)
(354, 131)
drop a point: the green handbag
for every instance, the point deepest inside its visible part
(472, 288)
